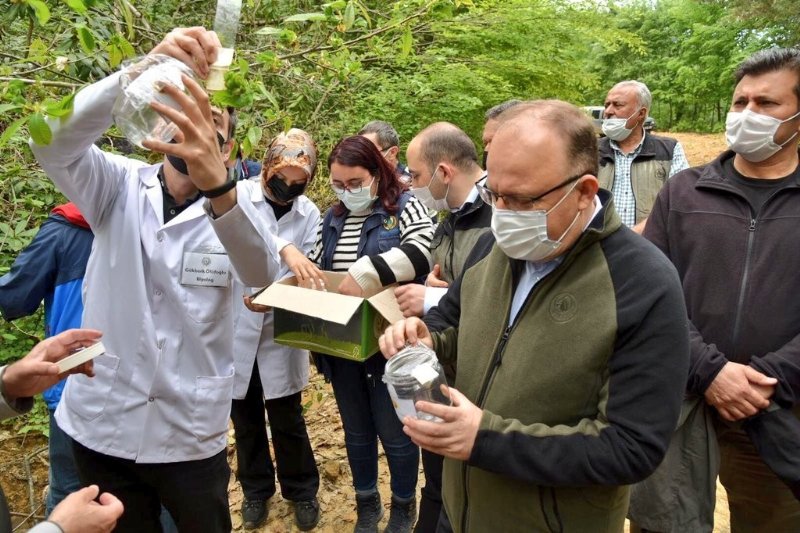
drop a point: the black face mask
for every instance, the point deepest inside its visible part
(485, 156)
(180, 164)
(282, 192)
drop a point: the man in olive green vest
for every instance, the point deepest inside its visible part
(634, 164)
(570, 336)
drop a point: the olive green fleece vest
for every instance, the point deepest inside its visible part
(451, 266)
(553, 380)
(647, 178)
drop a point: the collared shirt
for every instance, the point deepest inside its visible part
(170, 206)
(434, 294)
(534, 272)
(622, 190)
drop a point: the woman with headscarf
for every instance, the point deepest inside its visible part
(269, 375)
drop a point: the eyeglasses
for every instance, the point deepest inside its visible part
(521, 203)
(351, 189)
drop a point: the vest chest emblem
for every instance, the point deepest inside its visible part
(390, 222)
(563, 307)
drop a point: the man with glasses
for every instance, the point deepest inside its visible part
(385, 138)
(569, 332)
(634, 164)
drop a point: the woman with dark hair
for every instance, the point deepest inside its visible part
(379, 234)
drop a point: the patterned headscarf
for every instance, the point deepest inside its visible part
(295, 148)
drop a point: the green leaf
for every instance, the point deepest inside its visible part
(5, 108)
(287, 123)
(306, 17)
(406, 42)
(270, 97)
(349, 15)
(268, 30)
(77, 6)
(254, 136)
(364, 13)
(39, 130)
(40, 9)
(86, 39)
(114, 55)
(11, 130)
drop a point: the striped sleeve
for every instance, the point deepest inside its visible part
(316, 253)
(406, 262)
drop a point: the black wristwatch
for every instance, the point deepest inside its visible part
(222, 189)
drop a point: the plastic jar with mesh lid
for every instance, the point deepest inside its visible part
(414, 374)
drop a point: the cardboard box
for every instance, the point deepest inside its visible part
(329, 322)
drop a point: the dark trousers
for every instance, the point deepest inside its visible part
(297, 470)
(367, 413)
(194, 492)
(430, 505)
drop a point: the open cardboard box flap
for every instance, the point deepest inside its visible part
(328, 305)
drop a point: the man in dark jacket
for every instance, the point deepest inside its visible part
(730, 228)
(571, 342)
(444, 170)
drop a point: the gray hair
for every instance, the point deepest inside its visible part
(642, 92)
(386, 134)
(497, 110)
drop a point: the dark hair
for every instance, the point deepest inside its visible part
(497, 110)
(357, 151)
(232, 122)
(770, 60)
(443, 141)
(386, 134)
(570, 123)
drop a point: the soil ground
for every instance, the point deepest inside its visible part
(23, 459)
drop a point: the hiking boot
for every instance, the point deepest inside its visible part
(402, 515)
(254, 513)
(306, 514)
(370, 512)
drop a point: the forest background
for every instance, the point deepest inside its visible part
(331, 67)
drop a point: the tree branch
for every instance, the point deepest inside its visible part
(364, 37)
(43, 82)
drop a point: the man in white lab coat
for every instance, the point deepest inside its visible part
(151, 426)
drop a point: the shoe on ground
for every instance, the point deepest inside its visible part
(306, 514)
(402, 515)
(370, 512)
(254, 513)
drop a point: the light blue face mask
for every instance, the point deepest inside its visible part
(359, 201)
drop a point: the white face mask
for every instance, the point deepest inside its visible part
(614, 128)
(752, 135)
(358, 201)
(523, 234)
(424, 195)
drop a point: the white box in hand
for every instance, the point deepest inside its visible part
(80, 357)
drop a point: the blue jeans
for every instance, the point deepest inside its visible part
(63, 472)
(367, 413)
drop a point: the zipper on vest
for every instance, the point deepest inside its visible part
(497, 360)
(751, 232)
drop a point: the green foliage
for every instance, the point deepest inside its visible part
(686, 52)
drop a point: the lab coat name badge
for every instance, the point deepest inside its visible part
(205, 269)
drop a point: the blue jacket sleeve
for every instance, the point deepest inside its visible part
(32, 276)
